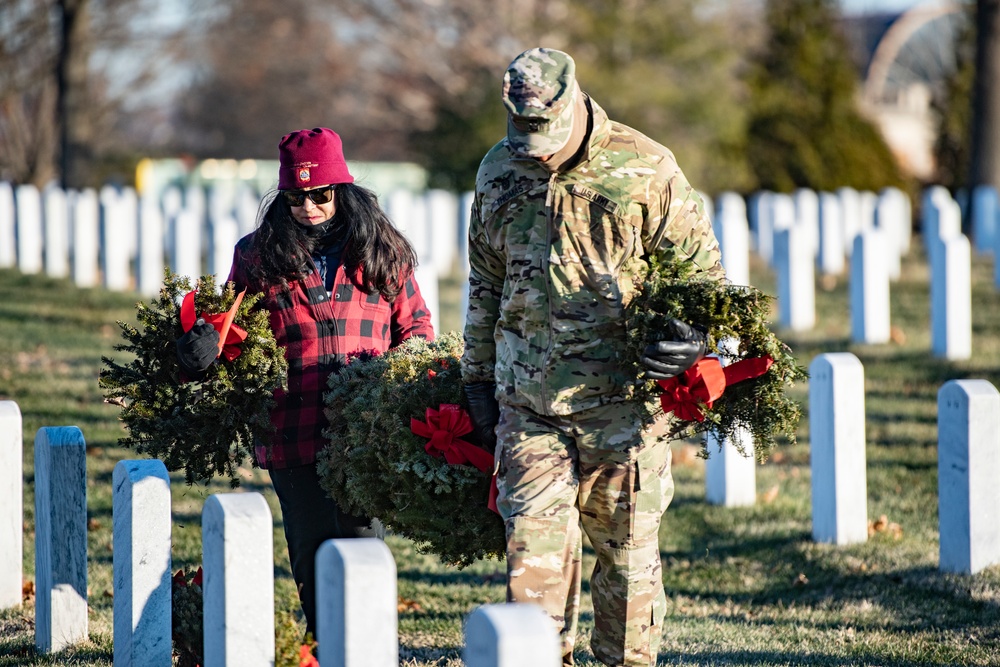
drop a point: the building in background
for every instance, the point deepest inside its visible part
(904, 59)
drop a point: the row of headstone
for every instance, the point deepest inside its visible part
(357, 621)
(829, 221)
(785, 227)
(100, 237)
(122, 241)
(968, 464)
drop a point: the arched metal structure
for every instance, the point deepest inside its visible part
(909, 64)
(917, 49)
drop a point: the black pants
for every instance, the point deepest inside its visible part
(311, 517)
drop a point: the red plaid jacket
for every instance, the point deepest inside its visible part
(318, 333)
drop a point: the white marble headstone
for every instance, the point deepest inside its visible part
(225, 234)
(186, 244)
(8, 216)
(441, 207)
(29, 228)
(511, 635)
(356, 604)
(851, 215)
(985, 213)
(85, 217)
(831, 254)
(968, 470)
(794, 266)
(150, 254)
(117, 223)
(60, 538)
(869, 291)
(837, 449)
(238, 567)
(56, 213)
(11, 505)
(141, 564)
(951, 299)
(733, 233)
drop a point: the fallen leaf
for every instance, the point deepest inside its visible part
(407, 605)
(897, 335)
(93, 524)
(28, 589)
(769, 496)
(878, 524)
(883, 525)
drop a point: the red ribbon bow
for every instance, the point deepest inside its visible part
(704, 383)
(230, 335)
(181, 580)
(445, 428)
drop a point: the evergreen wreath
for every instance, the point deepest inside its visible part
(187, 617)
(204, 427)
(736, 318)
(377, 466)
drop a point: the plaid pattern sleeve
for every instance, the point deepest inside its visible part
(319, 331)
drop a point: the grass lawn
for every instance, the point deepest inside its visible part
(744, 586)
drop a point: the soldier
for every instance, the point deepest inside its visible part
(568, 207)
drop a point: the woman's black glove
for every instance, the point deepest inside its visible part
(682, 347)
(484, 411)
(198, 348)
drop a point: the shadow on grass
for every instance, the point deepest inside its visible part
(750, 657)
(453, 577)
(797, 572)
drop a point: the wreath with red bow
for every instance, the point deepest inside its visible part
(401, 450)
(204, 427)
(742, 386)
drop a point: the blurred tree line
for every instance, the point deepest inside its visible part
(747, 94)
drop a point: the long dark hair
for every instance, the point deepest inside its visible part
(281, 248)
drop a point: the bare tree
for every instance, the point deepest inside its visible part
(985, 140)
(374, 70)
(27, 92)
(69, 71)
(77, 124)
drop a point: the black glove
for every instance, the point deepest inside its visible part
(683, 346)
(484, 411)
(198, 348)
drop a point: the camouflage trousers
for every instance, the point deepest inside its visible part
(599, 470)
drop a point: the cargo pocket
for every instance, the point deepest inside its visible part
(653, 490)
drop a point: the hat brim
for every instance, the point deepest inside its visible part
(542, 143)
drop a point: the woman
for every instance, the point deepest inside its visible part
(338, 280)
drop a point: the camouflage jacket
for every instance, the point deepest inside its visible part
(554, 259)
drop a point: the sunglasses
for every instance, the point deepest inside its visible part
(318, 196)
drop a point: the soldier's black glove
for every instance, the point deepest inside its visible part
(197, 349)
(484, 411)
(682, 347)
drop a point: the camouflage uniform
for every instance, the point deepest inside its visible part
(554, 259)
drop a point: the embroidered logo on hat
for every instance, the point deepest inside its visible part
(314, 157)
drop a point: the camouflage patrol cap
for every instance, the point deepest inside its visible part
(539, 92)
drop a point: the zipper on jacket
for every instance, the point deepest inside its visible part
(549, 221)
